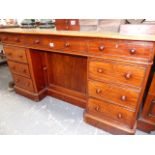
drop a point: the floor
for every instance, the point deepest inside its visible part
(19, 115)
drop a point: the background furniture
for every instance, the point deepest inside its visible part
(146, 122)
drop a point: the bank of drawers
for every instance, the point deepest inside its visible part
(134, 50)
(114, 89)
(18, 64)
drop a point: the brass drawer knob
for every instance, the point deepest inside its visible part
(123, 98)
(101, 48)
(37, 41)
(98, 91)
(119, 115)
(100, 70)
(67, 44)
(128, 75)
(97, 108)
(132, 51)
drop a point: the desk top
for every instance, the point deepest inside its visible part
(38, 31)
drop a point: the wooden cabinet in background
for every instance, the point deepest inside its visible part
(146, 121)
(67, 24)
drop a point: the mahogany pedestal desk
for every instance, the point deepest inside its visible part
(106, 74)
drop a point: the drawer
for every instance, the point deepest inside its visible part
(23, 83)
(21, 69)
(75, 44)
(112, 71)
(132, 50)
(15, 53)
(46, 42)
(122, 96)
(100, 44)
(102, 108)
(57, 43)
(13, 39)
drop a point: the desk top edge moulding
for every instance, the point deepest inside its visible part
(104, 73)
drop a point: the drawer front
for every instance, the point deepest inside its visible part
(57, 43)
(15, 39)
(133, 50)
(17, 68)
(23, 83)
(46, 42)
(119, 95)
(112, 111)
(15, 53)
(72, 44)
(117, 72)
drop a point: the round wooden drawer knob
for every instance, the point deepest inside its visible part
(123, 98)
(36, 41)
(17, 81)
(21, 56)
(127, 75)
(132, 51)
(98, 91)
(67, 27)
(67, 44)
(119, 115)
(97, 108)
(24, 71)
(13, 68)
(9, 54)
(101, 48)
(17, 39)
(100, 70)
(5, 38)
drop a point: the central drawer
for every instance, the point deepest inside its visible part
(57, 43)
(128, 74)
(122, 96)
(101, 109)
